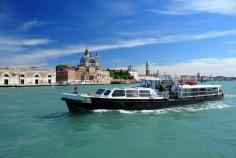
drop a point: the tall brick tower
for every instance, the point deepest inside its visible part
(147, 69)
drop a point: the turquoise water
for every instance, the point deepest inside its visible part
(35, 123)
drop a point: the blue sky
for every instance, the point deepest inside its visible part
(177, 37)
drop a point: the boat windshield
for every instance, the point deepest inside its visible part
(100, 91)
(107, 92)
(147, 83)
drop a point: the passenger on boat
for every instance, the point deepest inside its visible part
(173, 91)
(161, 87)
(177, 90)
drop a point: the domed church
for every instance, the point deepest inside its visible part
(88, 60)
(88, 71)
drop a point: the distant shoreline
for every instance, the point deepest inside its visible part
(57, 85)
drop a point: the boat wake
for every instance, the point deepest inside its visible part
(194, 108)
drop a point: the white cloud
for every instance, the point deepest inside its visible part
(183, 7)
(30, 24)
(120, 7)
(43, 55)
(206, 66)
(4, 41)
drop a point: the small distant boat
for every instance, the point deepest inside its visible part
(154, 93)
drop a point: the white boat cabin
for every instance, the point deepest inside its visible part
(129, 93)
(200, 90)
(149, 91)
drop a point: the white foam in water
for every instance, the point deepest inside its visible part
(193, 108)
(127, 111)
(159, 111)
(205, 107)
(101, 110)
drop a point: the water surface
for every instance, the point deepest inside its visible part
(35, 123)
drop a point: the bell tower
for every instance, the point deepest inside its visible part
(97, 60)
(147, 69)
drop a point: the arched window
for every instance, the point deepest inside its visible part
(49, 79)
(22, 79)
(6, 79)
(6, 75)
(36, 79)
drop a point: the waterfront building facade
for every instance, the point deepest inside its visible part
(187, 78)
(10, 76)
(88, 71)
(133, 73)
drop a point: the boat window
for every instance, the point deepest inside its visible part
(131, 93)
(144, 93)
(202, 91)
(146, 83)
(118, 93)
(215, 89)
(100, 91)
(194, 91)
(220, 90)
(107, 92)
(186, 92)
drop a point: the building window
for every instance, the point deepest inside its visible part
(49, 79)
(6, 79)
(36, 79)
(22, 79)
(91, 77)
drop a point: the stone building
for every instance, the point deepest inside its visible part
(88, 71)
(133, 73)
(187, 78)
(26, 76)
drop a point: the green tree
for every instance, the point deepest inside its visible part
(120, 74)
(61, 67)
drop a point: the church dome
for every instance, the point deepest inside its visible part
(87, 59)
(92, 61)
(83, 60)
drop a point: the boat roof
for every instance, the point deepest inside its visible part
(128, 88)
(200, 86)
(155, 78)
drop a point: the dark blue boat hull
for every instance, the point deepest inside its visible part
(133, 104)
